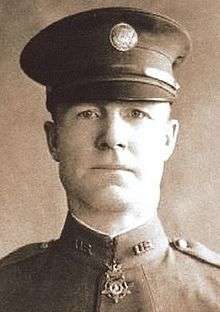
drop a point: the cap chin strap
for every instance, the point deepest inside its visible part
(162, 76)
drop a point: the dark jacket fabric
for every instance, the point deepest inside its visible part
(138, 271)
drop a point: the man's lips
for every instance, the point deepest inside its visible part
(113, 167)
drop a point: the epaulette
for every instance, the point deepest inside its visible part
(196, 250)
(23, 253)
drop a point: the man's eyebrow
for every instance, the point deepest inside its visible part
(144, 103)
(86, 104)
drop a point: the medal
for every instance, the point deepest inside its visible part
(115, 286)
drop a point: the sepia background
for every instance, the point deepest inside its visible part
(32, 201)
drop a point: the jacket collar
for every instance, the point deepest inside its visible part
(145, 243)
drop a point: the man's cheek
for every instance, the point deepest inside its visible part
(79, 173)
(148, 151)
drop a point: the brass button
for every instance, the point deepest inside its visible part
(182, 243)
(44, 245)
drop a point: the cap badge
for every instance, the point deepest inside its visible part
(123, 37)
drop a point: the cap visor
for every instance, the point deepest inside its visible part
(108, 91)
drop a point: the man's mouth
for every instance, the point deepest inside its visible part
(113, 167)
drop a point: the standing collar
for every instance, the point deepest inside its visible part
(147, 242)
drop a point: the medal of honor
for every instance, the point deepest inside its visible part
(115, 286)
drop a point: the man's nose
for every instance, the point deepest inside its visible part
(113, 134)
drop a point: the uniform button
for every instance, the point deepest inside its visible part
(182, 243)
(44, 245)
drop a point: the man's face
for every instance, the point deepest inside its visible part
(111, 155)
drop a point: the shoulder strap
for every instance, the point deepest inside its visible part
(24, 253)
(196, 250)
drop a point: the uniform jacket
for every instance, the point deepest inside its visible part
(139, 271)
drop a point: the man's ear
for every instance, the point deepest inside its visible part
(51, 134)
(171, 138)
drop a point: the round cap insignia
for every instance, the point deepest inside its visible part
(123, 37)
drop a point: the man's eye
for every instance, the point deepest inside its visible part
(137, 114)
(88, 114)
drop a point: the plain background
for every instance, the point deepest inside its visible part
(32, 201)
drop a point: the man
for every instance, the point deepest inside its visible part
(109, 80)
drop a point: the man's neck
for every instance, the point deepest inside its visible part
(111, 224)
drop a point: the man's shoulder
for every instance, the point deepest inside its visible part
(24, 253)
(197, 251)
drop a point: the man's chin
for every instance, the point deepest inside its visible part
(112, 198)
(117, 199)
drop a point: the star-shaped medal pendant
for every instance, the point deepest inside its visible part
(115, 286)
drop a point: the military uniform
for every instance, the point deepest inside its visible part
(139, 271)
(109, 54)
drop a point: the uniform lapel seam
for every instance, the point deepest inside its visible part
(150, 291)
